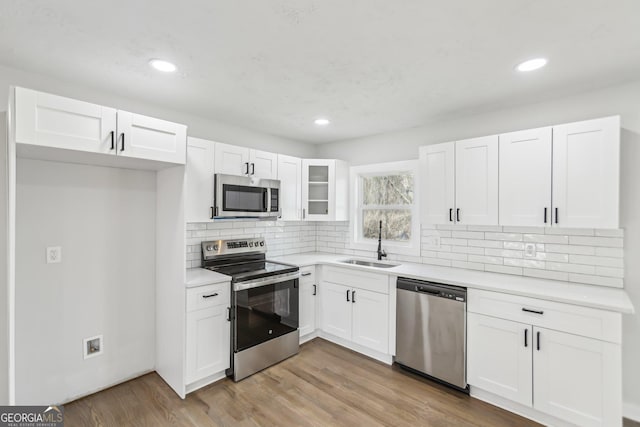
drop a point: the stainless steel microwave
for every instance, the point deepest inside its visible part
(245, 197)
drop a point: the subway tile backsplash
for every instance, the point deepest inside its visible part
(590, 256)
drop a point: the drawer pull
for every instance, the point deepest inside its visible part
(308, 273)
(211, 295)
(528, 310)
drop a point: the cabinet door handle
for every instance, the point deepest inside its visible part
(450, 214)
(308, 273)
(353, 297)
(228, 314)
(457, 214)
(304, 213)
(113, 139)
(315, 290)
(556, 219)
(528, 310)
(538, 340)
(210, 295)
(212, 212)
(545, 215)
(122, 135)
(348, 296)
(253, 168)
(526, 335)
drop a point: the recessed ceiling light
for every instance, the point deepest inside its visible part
(532, 64)
(161, 65)
(321, 122)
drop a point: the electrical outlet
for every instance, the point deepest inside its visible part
(54, 254)
(530, 250)
(92, 346)
(432, 241)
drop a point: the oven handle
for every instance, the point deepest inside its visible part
(241, 286)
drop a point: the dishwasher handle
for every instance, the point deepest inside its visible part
(439, 290)
(424, 290)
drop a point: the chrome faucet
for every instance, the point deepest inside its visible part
(381, 252)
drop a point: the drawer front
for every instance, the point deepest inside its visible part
(308, 275)
(356, 279)
(584, 321)
(208, 296)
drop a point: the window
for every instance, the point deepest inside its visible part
(385, 192)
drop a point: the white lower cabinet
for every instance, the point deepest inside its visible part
(207, 343)
(507, 372)
(207, 332)
(356, 309)
(573, 377)
(308, 295)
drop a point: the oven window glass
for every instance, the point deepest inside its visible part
(244, 199)
(265, 312)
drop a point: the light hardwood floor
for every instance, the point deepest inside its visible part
(324, 385)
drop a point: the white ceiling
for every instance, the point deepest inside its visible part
(370, 66)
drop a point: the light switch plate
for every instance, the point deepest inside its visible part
(432, 241)
(54, 254)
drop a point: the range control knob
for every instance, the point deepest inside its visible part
(215, 247)
(250, 244)
(210, 247)
(262, 243)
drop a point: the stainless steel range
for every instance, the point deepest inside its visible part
(264, 304)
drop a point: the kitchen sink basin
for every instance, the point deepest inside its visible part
(368, 263)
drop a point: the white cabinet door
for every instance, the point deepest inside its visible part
(199, 180)
(207, 342)
(498, 358)
(308, 295)
(477, 181)
(318, 189)
(231, 159)
(525, 178)
(437, 176)
(143, 137)
(290, 176)
(577, 379)
(586, 173)
(336, 311)
(370, 319)
(55, 121)
(263, 164)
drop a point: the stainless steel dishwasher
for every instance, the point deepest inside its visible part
(431, 329)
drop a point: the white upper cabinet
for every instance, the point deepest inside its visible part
(234, 160)
(477, 181)
(143, 137)
(231, 159)
(290, 176)
(586, 173)
(263, 164)
(437, 172)
(525, 177)
(199, 180)
(54, 121)
(325, 190)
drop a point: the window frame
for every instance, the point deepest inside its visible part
(357, 241)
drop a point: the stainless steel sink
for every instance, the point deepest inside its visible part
(368, 263)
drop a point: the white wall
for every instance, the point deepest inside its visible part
(104, 220)
(4, 320)
(201, 127)
(622, 99)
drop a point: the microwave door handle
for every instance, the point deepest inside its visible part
(266, 200)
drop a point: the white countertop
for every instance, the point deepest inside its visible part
(201, 277)
(584, 295)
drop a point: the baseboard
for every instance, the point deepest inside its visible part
(205, 382)
(631, 411)
(113, 384)
(308, 337)
(382, 357)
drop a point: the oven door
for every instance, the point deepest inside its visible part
(264, 310)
